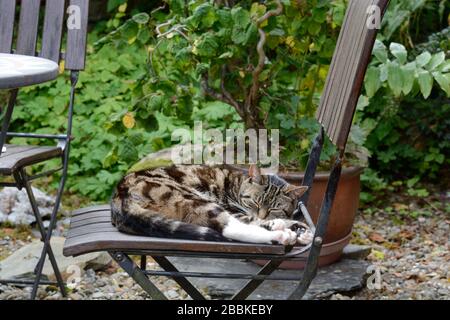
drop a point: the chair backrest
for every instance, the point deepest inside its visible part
(348, 68)
(54, 16)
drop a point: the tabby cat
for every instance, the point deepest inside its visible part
(213, 203)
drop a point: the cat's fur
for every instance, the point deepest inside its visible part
(209, 203)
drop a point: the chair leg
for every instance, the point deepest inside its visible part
(143, 262)
(138, 275)
(252, 285)
(182, 281)
(46, 239)
(48, 250)
(313, 258)
(65, 161)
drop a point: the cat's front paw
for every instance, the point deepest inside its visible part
(304, 236)
(277, 224)
(284, 237)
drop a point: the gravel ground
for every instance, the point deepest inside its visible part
(411, 254)
(110, 284)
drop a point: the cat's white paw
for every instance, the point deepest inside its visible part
(277, 224)
(305, 237)
(285, 237)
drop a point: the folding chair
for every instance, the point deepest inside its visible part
(91, 228)
(15, 160)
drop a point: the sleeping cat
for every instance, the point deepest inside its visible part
(213, 203)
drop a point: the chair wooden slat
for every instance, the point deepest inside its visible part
(347, 70)
(76, 37)
(90, 221)
(7, 13)
(94, 208)
(350, 56)
(93, 228)
(28, 27)
(53, 25)
(18, 156)
(95, 214)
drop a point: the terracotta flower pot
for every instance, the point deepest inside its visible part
(342, 214)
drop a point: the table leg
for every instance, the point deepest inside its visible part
(7, 117)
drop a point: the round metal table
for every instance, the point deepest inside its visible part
(19, 71)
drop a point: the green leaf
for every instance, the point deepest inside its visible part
(314, 28)
(224, 17)
(110, 159)
(395, 78)
(399, 51)
(141, 18)
(411, 182)
(277, 32)
(251, 32)
(205, 15)
(425, 83)
(423, 59)
(443, 81)
(257, 10)
(320, 14)
(215, 110)
(409, 72)
(127, 151)
(176, 6)
(241, 17)
(226, 55)
(143, 35)
(207, 46)
(363, 102)
(445, 67)
(380, 52)
(436, 61)
(372, 82)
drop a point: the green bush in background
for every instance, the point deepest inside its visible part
(142, 82)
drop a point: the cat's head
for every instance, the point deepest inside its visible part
(269, 196)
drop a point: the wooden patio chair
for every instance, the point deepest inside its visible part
(91, 229)
(15, 160)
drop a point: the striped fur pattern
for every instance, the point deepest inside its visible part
(213, 203)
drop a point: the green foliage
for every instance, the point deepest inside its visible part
(403, 77)
(148, 75)
(411, 21)
(192, 45)
(407, 135)
(99, 154)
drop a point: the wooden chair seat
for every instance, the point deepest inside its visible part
(91, 230)
(17, 156)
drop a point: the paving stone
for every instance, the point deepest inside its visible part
(344, 276)
(22, 262)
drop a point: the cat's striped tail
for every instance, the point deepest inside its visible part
(152, 224)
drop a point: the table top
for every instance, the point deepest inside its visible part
(19, 71)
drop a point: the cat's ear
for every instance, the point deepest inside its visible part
(254, 172)
(297, 191)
